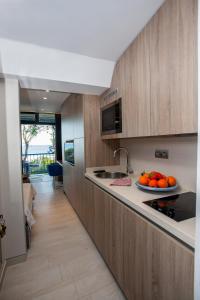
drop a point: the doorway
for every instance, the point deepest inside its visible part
(41, 142)
(38, 148)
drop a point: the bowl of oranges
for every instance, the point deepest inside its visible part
(157, 182)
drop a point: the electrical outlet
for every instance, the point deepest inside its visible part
(162, 154)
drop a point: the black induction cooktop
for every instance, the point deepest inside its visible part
(177, 207)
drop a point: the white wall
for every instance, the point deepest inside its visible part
(10, 168)
(3, 162)
(197, 246)
(31, 63)
(182, 157)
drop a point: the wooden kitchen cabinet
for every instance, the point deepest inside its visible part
(172, 267)
(147, 263)
(87, 209)
(78, 117)
(77, 174)
(72, 117)
(115, 242)
(81, 123)
(101, 221)
(156, 76)
(156, 266)
(173, 68)
(67, 120)
(137, 252)
(135, 88)
(108, 234)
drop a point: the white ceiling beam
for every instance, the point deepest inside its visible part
(34, 65)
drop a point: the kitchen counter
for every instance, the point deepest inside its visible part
(134, 198)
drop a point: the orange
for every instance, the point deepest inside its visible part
(146, 175)
(153, 183)
(143, 180)
(171, 181)
(162, 183)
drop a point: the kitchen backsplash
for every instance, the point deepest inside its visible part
(182, 161)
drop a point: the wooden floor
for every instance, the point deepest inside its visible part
(62, 262)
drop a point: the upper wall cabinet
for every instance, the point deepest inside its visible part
(72, 117)
(173, 61)
(157, 75)
(81, 119)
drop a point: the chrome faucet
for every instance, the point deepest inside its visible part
(128, 168)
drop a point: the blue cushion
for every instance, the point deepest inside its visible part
(55, 169)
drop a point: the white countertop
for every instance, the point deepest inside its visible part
(134, 197)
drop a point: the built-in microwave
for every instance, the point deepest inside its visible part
(111, 118)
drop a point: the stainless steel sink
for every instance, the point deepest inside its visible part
(112, 175)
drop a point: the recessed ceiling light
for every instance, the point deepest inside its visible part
(42, 109)
(44, 98)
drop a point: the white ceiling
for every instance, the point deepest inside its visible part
(32, 100)
(96, 28)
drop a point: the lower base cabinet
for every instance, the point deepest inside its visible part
(156, 266)
(108, 233)
(147, 263)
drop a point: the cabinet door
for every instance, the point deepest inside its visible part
(172, 268)
(68, 181)
(137, 254)
(78, 116)
(173, 63)
(132, 78)
(108, 234)
(115, 238)
(157, 74)
(67, 120)
(72, 118)
(87, 207)
(136, 87)
(101, 221)
(156, 266)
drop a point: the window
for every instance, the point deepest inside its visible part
(28, 118)
(36, 118)
(47, 118)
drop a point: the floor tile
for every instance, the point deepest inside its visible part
(62, 292)
(110, 292)
(63, 262)
(93, 282)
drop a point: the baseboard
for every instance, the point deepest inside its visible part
(16, 260)
(10, 262)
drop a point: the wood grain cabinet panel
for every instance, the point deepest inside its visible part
(78, 116)
(67, 121)
(87, 207)
(78, 179)
(137, 260)
(156, 266)
(172, 268)
(136, 87)
(97, 152)
(115, 238)
(81, 122)
(147, 263)
(101, 221)
(132, 79)
(157, 75)
(173, 67)
(108, 230)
